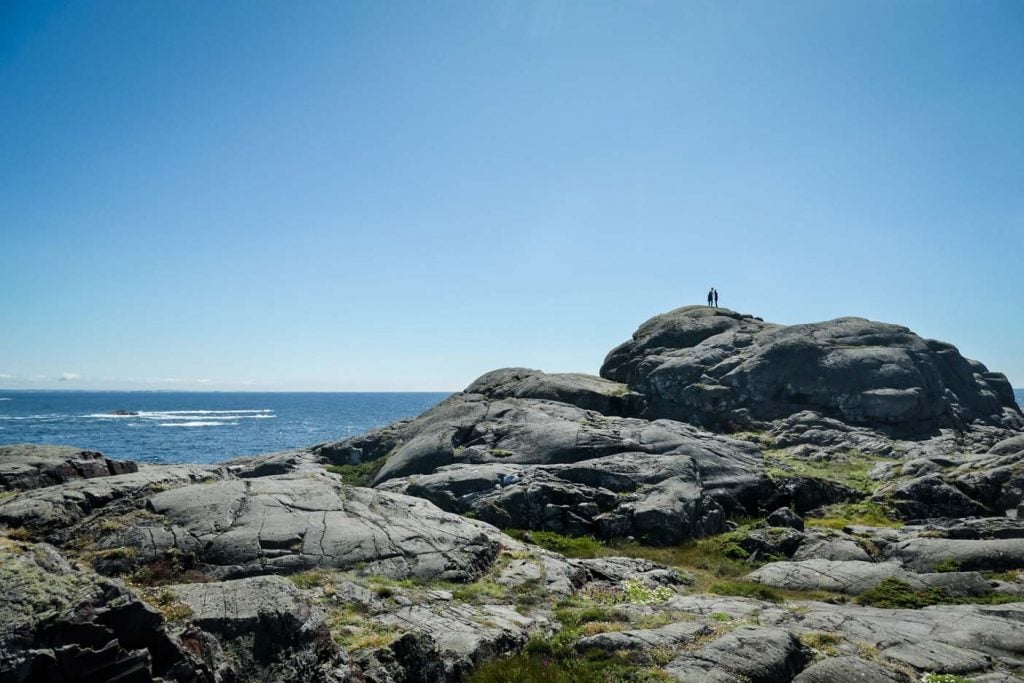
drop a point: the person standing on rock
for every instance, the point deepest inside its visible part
(711, 295)
(715, 291)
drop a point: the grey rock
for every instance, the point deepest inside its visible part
(669, 636)
(58, 623)
(612, 571)
(757, 655)
(713, 366)
(270, 632)
(853, 578)
(464, 635)
(929, 496)
(784, 517)
(923, 554)
(27, 466)
(831, 548)
(55, 508)
(583, 391)
(287, 523)
(848, 670)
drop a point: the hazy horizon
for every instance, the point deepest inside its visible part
(369, 196)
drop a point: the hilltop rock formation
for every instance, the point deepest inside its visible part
(713, 366)
(865, 484)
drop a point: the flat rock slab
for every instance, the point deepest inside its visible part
(855, 577)
(749, 654)
(670, 636)
(848, 670)
(924, 554)
(465, 635)
(57, 507)
(27, 466)
(289, 523)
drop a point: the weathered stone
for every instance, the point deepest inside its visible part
(757, 655)
(272, 633)
(711, 366)
(670, 636)
(58, 623)
(853, 578)
(26, 466)
(848, 670)
(293, 522)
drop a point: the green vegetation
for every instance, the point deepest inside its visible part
(864, 513)
(948, 565)
(895, 594)
(529, 667)
(167, 602)
(310, 579)
(746, 589)
(824, 643)
(638, 593)
(849, 468)
(580, 546)
(944, 678)
(358, 475)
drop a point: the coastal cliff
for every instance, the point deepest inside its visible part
(730, 500)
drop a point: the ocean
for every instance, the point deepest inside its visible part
(197, 427)
(201, 427)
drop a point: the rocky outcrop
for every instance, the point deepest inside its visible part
(716, 367)
(26, 466)
(263, 629)
(288, 523)
(576, 389)
(61, 623)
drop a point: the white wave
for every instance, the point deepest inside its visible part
(6, 399)
(32, 417)
(188, 414)
(197, 423)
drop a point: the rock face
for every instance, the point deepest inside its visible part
(539, 464)
(25, 466)
(266, 625)
(287, 523)
(58, 623)
(715, 366)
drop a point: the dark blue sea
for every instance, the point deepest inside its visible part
(197, 427)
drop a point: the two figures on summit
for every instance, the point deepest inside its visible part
(713, 297)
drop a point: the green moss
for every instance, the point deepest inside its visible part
(895, 594)
(849, 468)
(358, 475)
(543, 668)
(947, 565)
(943, 678)
(864, 513)
(746, 589)
(580, 546)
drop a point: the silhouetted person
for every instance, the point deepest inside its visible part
(716, 296)
(711, 295)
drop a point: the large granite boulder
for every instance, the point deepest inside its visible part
(288, 523)
(577, 389)
(27, 466)
(540, 464)
(716, 367)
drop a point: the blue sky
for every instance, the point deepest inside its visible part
(403, 195)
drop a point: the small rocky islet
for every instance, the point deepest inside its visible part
(729, 501)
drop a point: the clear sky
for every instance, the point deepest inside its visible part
(403, 195)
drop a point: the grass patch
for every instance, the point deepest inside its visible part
(358, 475)
(167, 602)
(849, 468)
(895, 594)
(947, 565)
(746, 589)
(943, 678)
(580, 546)
(314, 578)
(824, 643)
(542, 668)
(864, 513)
